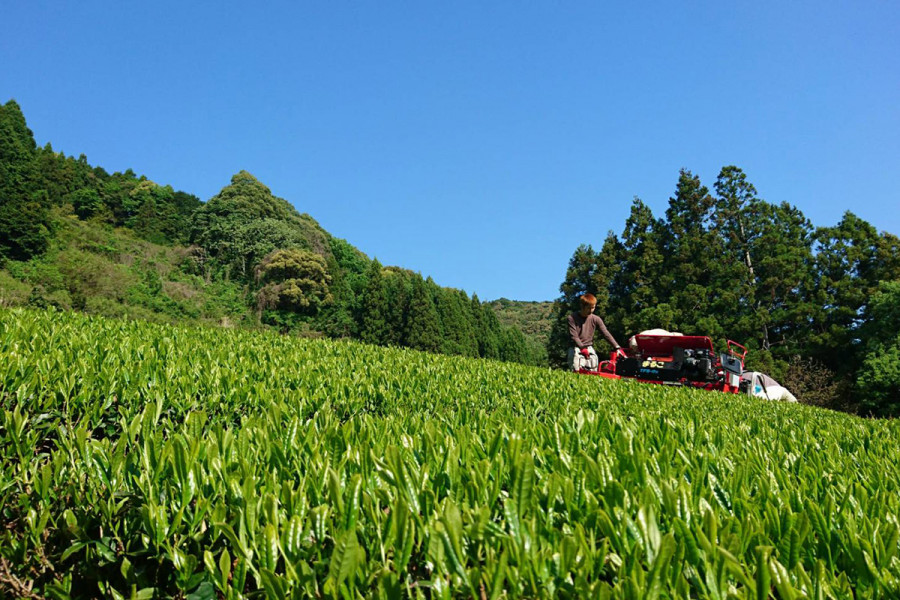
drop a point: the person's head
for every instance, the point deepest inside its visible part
(588, 304)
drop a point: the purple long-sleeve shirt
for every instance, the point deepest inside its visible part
(581, 330)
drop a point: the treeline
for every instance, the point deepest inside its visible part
(302, 278)
(33, 180)
(292, 274)
(818, 307)
(397, 307)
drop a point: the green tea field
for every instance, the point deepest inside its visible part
(148, 461)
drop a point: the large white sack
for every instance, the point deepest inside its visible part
(763, 386)
(632, 343)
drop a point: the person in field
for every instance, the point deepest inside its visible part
(582, 326)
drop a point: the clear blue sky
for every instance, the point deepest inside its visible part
(476, 142)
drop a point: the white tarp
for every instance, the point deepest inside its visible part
(632, 343)
(763, 386)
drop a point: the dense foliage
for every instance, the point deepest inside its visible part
(143, 461)
(731, 265)
(879, 378)
(35, 179)
(534, 319)
(206, 255)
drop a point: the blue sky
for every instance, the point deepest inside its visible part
(478, 143)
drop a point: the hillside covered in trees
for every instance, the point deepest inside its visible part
(74, 236)
(533, 318)
(818, 307)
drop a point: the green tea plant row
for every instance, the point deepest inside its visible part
(145, 461)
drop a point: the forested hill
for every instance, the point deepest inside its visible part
(74, 236)
(534, 318)
(818, 307)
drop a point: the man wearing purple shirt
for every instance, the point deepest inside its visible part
(582, 326)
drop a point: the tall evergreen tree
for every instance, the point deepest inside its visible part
(18, 172)
(640, 282)
(25, 224)
(458, 335)
(398, 290)
(423, 323)
(735, 205)
(485, 336)
(851, 260)
(373, 318)
(348, 270)
(513, 346)
(694, 260)
(738, 220)
(493, 332)
(466, 335)
(784, 278)
(766, 270)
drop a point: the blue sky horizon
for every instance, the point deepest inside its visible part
(477, 144)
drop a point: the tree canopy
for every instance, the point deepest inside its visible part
(731, 265)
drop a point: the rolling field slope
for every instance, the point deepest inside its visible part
(143, 460)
